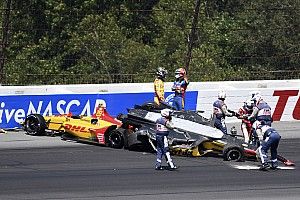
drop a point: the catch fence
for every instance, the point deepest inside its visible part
(64, 79)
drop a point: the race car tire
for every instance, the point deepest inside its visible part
(126, 133)
(35, 124)
(233, 153)
(116, 139)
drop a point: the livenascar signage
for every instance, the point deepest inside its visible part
(14, 109)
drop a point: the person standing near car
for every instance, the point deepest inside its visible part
(179, 87)
(159, 88)
(163, 126)
(270, 140)
(220, 111)
(261, 112)
(246, 125)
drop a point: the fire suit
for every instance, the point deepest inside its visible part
(246, 125)
(262, 112)
(220, 112)
(163, 126)
(159, 91)
(179, 87)
(271, 140)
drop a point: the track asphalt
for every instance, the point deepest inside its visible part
(49, 168)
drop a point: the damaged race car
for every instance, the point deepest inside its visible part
(100, 128)
(194, 135)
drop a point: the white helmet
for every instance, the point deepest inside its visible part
(249, 103)
(222, 94)
(101, 103)
(165, 112)
(256, 125)
(260, 125)
(257, 98)
(253, 93)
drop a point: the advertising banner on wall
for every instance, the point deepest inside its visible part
(14, 108)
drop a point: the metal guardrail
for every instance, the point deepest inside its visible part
(58, 79)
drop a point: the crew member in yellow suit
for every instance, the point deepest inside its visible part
(159, 88)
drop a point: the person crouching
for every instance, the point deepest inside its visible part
(271, 140)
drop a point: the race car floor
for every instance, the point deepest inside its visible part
(82, 171)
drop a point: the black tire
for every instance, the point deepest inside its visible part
(35, 124)
(115, 139)
(125, 136)
(233, 153)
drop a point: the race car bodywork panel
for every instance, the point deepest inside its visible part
(193, 134)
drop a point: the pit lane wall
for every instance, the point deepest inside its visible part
(16, 102)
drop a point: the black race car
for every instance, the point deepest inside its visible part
(194, 135)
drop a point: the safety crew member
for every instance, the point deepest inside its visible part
(261, 112)
(220, 111)
(163, 126)
(159, 89)
(253, 93)
(270, 141)
(179, 87)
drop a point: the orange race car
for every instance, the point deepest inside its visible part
(98, 128)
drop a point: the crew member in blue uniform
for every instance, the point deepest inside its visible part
(163, 126)
(220, 111)
(261, 110)
(270, 140)
(179, 87)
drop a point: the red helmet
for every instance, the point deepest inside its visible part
(180, 73)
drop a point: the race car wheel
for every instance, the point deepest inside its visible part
(116, 139)
(233, 153)
(35, 124)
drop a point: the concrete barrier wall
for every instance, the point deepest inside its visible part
(282, 96)
(146, 87)
(18, 101)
